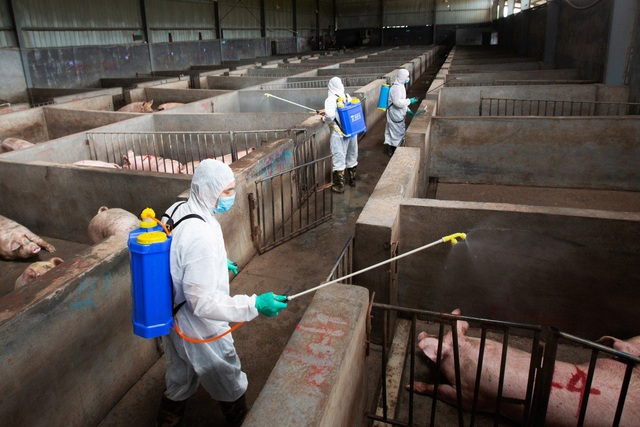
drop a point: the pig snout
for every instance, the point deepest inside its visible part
(35, 270)
(111, 222)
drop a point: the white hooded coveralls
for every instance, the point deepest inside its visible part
(396, 110)
(198, 261)
(344, 150)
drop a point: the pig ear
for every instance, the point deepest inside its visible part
(462, 326)
(56, 261)
(30, 273)
(14, 245)
(430, 348)
(607, 340)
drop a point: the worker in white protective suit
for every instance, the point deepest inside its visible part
(344, 150)
(397, 109)
(198, 262)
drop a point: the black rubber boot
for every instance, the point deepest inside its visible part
(234, 412)
(338, 182)
(352, 176)
(390, 150)
(171, 412)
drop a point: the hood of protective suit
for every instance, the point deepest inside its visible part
(402, 76)
(336, 87)
(209, 181)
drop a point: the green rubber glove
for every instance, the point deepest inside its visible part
(270, 305)
(409, 112)
(232, 266)
(413, 100)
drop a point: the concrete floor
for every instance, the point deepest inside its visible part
(300, 263)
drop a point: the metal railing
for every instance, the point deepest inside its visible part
(291, 202)
(456, 82)
(533, 403)
(504, 329)
(540, 107)
(344, 264)
(348, 81)
(188, 148)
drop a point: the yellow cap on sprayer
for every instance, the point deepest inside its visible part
(147, 217)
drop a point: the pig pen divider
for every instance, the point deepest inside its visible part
(184, 147)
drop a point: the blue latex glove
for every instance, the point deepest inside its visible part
(413, 100)
(270, 305)
(232, 266)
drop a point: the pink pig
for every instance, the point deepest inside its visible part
(138, 107)
(36, 269)
(97, 164)
(566, 394)
(18, 242)
(11, 144)
(169, 106)
(110, 222)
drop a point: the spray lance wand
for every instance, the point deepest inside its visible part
(453, 238)
(333, 125)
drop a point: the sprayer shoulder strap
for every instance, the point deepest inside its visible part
(171, 225)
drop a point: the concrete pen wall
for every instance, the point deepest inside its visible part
(319, 380)
(580, 152)
(68, 352)
(575, 269)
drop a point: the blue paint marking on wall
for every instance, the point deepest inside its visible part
(84, 295)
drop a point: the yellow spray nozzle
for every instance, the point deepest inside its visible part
(453, 238)
(267, 95)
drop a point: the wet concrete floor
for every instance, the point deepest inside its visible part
(300, 263)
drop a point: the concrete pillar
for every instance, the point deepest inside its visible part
(510, 6)
(551, 31)
(525, 4)
(501, 8)
(619, 45)
(524, 33)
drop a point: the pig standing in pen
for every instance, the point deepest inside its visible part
(566, 392)
(35, 270)
(111, 222)
(18, 242)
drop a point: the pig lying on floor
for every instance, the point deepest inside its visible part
(35, 270)
(18, 242)
(567, 387)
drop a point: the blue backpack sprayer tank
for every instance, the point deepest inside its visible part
(383, 99)
(153, 313)
(151, 287)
